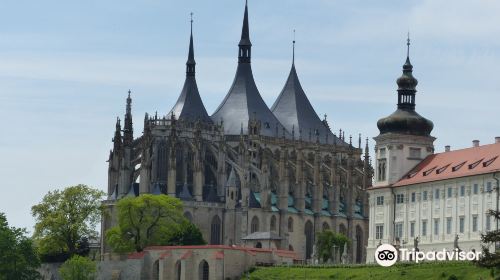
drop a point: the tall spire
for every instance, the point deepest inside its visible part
(293, 48)
(128, 130)
(245, 46)
(191, 63)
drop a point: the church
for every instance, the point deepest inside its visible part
(248, 175)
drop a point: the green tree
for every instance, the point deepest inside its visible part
(491, 259)
(325, 242)
(78, 268)
(145, 220)
(188, 234)
(18, 257)
(65, 218)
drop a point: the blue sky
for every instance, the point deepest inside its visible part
(65, 68)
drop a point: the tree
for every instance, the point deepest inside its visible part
(18, 257)
(78, 268)
(325, 242)
(188, 234)
(491, 259)
(145, 220)
(64, 219)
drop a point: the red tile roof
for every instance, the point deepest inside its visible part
(454, 164)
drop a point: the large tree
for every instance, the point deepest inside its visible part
(65, 218)
(151, 220)
(18, 257)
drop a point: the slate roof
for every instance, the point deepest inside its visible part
(454, 164)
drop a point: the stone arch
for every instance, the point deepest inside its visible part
(215, 230)
(254, 225)
(204, 270)
(359, 244)
(156, 270)
(309, 234)
(290, 224)
(273, 223)
(325, 226)
(188, 216)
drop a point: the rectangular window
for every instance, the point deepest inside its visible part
(380, 200)
(382, 153)
(436, 226)
(436, 195)
(462, 190)
(379, 231)
(488, 186)
(476, 188)
(415, 153)
(400, 198)
(399, 230)
(412, 197)
(412, 229)
(462, 224)
(448, 225)
(488, 222)
(474, 223)
(424, 196)
(450, 191)
(424, 228)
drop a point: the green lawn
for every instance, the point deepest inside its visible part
(425, 271)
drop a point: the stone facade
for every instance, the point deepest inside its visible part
(291, 177)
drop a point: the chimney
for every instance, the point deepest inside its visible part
(497, 139)
(447, 148)
(475, 143)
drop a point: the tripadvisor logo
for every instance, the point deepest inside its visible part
(387, 255)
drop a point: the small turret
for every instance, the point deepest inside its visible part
(128, 130)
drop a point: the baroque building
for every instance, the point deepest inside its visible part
(425, 200)
(248, 175)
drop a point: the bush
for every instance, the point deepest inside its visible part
(453, 277)
(78, 268)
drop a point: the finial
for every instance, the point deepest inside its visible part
(293, 48)
(191, 14)
(359, 141)
(408, 45)
(350, 140)
(129, 92)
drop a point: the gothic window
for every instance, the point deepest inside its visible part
(215, 231)
(161, 169)
(290, 224)
(308, 231)
(381, 169)
(326, 226)
(254, 226)
(273, 223)
(188, 216)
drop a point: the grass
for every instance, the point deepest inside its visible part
(425, 271)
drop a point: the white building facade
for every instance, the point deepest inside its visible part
(427, 200)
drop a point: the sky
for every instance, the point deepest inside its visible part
(66, 67)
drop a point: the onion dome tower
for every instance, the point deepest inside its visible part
(405, 136)
(405, 120)
(295, 112)
(243, 102)
(189, 106)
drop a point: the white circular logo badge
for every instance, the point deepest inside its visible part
(386, 255)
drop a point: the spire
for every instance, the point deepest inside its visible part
(128, 130)
(407, 83)
(245, 46)
(293, 49)
(407, 66)
(117, 139)
(191, 63)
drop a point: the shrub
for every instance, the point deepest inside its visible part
(78, 268)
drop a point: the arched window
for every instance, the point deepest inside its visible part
(290, 248)
(188, 216)
(342, 229)
(326, 226)
(273, 223)
(359, 244)
(215, 231)
(254, 226)
(178, 270)
(258, 245)
(156, 270)
(203, 270)
(308, 231)
(290, 224)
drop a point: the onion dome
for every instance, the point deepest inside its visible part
(189, 105)
(405, 120)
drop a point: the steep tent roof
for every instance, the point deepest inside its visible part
(243, 101)
(295, 112)
(189, 105)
